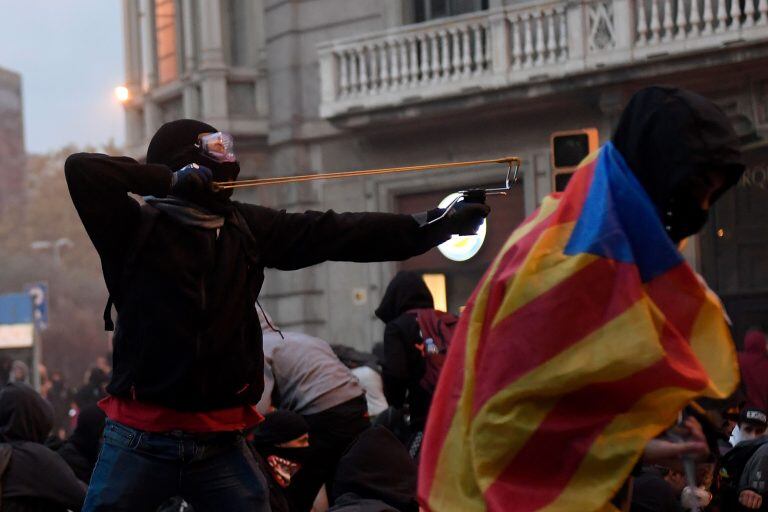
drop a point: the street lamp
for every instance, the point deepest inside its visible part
(122, 94)
(55, 245)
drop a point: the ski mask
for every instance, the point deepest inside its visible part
(175, 144)
(670, 138)
(270, 438)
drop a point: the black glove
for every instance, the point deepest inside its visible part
(465, 218)
(191, 179)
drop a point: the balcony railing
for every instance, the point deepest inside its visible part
(538, 40)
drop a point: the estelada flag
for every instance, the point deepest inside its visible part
(586, 336)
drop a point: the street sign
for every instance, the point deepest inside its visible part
(39, 294)
(17, 328)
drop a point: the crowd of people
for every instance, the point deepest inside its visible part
(337, 438)
(206, 405)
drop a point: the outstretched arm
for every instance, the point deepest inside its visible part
(297, 240)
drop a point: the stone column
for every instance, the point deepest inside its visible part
(151, 117)
(212, 65)
(211, 41)
(191, 99)
(188, 29)
(149, 55)
(134, 129)
(132, 45)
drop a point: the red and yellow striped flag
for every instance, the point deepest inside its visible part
(583, 341)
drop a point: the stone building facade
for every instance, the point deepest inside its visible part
(326, 85)
(12, 159)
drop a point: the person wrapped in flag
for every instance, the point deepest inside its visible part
(589, 332)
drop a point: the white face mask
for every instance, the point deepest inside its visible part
(736, 436)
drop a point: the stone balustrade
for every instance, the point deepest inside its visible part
(532, 41)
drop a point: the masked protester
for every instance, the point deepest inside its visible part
(376, 475)
(34, 478)
(281, 443)
(684, 152)
(183, 272)
(404, 362)
(310, 380)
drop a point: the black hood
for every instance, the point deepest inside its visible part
(24, 414)
(378, 467)
(173, 145)
(667, 135)
(406, 291)
(87, 434)
(279, 427)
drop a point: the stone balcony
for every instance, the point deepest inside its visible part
(524, 43)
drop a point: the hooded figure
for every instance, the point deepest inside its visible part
(34, 478)
(184, 272)
(376, 475)
(753, 362)
(82, 448)
(403, 365)
(682, 148)
(281, 446)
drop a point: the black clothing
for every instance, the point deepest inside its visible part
(279, 427)
(331, 432)
(188, 336)
(24, 414)
(280, 463)
(651, 493)
(669, 138)
(403, 365)
(376, 468)
(82, 448)
(406, 291)
(35, 479)
(351, 502)
(278, 501)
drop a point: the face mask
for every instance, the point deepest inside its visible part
(683, 217)
(736, 436)
(283, 463)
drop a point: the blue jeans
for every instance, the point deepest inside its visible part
(138, 471)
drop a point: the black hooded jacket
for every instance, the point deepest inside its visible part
(403, 365)
(668, 137)
(188, 336)
(36, 479)
(375, 475)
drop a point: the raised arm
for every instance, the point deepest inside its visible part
(99, 186)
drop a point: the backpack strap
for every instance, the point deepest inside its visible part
(147, 222)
